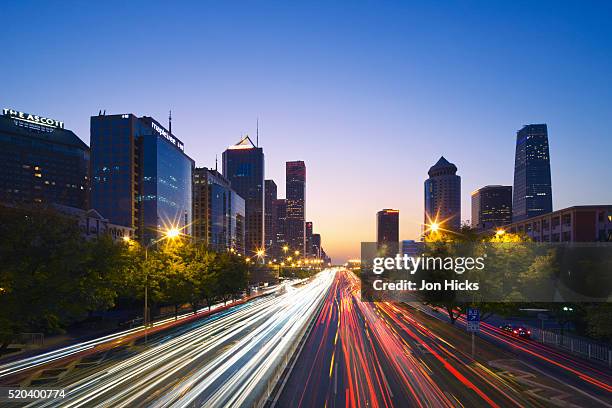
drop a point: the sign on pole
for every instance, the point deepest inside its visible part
(473, 319)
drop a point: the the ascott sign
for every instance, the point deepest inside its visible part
(28, 117)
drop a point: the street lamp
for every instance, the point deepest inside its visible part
(170, 233)
(500, 232)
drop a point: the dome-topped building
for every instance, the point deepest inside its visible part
(443, 195)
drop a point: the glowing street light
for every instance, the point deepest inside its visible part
(434, 227)
(172, 233)
(500, 232)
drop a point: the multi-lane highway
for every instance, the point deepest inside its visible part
(349, 353)
(228, 359)
(383, 355)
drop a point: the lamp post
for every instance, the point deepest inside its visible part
(170, 233)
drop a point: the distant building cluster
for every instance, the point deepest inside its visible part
(135, 180)
(525, 208)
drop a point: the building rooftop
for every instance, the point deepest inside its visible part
(244, 143)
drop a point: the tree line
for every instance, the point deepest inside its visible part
(519, 269)
(51, 277)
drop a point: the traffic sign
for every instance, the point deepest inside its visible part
(473, 319)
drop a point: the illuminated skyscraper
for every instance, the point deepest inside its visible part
(532, 183)
(140, 175)
(218, 212)
(296, 205)
(41, 161)
(308, 237)
(280, 216)
(443, 195)
(491, 207)
(243, 166)
(387, 227)
(270, 219)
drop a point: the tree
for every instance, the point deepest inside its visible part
(50, 276)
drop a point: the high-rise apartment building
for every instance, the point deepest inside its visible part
(532, 183)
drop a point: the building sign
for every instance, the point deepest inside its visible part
(28, 117)
(163, 132)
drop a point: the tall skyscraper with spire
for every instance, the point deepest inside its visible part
(296, 205)
(532, 192)
(443, 195)
(243, 166)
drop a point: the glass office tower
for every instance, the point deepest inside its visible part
(491, 207)
(141, 176)
(295, 232)
(218, 211)
(243, 166)
(41, 161)
(532, 185)
(269, 219)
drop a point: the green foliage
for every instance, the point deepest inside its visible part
(50, 277)
(516, 270)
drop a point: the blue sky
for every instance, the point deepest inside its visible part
(369, 94)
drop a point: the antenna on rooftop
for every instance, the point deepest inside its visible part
(170, 122)
(257, 133)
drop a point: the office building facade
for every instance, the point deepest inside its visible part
(280, 217)
(316, 245)
(584, 223)
(443, 195)
(243, 166)
(308, 238)
(295, 232)
(141, 177)
(269, 219)
(218, 212)
(41, 162)
(491, 207)
(387, 227)
(532, 182)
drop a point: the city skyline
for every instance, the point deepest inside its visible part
(304, 113)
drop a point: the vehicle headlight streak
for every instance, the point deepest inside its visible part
(225, 362)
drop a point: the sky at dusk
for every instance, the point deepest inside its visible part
(368, 94)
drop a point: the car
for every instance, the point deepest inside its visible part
(516, 331)
(522, 332)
